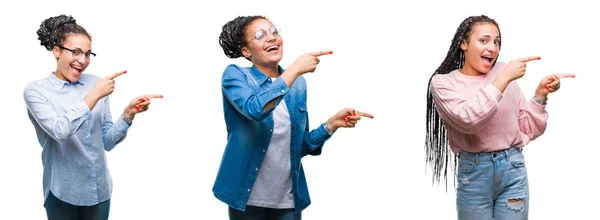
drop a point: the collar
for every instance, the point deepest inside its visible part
(59, 83)
(260, 76)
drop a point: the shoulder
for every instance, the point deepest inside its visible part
(234, 68)
(34, 85)
(234, 71)
(442, 79)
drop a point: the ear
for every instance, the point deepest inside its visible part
(56, 52)
(463, 45)
(246, 52)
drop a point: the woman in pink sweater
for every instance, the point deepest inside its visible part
(476, 109)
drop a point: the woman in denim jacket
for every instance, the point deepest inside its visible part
(261, 176)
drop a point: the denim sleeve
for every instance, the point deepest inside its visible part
(314, 140)
(59, 127)
(112, 133)
(249, 98)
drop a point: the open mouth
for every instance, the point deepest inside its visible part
(76, 69)
(487, 60)
(274, 48)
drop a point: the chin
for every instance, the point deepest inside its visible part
(275, 60)
(484, 70)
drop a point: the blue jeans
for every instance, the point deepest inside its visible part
(59, 210)
(260, 213)
(492, 185)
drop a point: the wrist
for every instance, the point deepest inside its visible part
(540, 94)
(330, 125)
(93, 96)
(127, 119)
(293, 70)
(505, 78)
(129, 114)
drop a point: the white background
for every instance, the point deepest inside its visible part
(383, 57)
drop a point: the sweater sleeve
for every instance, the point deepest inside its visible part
(466, 114)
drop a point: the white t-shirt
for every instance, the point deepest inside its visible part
(273, 186)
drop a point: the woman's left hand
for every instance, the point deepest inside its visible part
(550, 84)
(138, 105)
(346, 118)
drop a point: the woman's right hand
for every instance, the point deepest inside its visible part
(516, 69)
(308, 62)
(105, 86)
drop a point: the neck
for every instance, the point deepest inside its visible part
(271, 70)
(60, 76)
(469, 70)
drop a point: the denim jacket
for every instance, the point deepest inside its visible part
(246, 90)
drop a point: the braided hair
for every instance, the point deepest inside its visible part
(437, 149)
(233, 36)
(55, 30)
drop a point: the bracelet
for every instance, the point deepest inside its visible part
(329, 131)
(539, 101)
(127, 120)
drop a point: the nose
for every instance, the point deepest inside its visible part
(82, 59)
(492, 47)
(269, 37)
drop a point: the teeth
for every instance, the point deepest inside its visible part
(272, 48)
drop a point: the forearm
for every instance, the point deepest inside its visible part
(91, 99)
(289, 76)
(468, 115)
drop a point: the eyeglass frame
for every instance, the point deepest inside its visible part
(273, 30)
(87, 55)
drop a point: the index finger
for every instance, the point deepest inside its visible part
(113, 76)
(364, 114)
(154, 96)
(321, 53)
(565, 75)
(527, 59)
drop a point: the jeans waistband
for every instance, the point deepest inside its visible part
(489, 156)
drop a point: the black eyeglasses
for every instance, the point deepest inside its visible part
(77, 53)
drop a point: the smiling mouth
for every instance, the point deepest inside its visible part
(272, 48)
(78, 69)
(487, 58)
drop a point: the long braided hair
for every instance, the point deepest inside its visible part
(437, 149)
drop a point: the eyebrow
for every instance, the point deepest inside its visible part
(77, 48)
(488, 36)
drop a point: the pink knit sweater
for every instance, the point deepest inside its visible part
(481, 119)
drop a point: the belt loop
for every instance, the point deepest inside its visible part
(477, 159)
(507, 156)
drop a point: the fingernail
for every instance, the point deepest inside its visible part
(330, 52)
(353, 112)
(539, 58)
(147, 98)
(125, 71)
(547, 86)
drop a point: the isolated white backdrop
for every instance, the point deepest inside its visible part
(384, 54)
